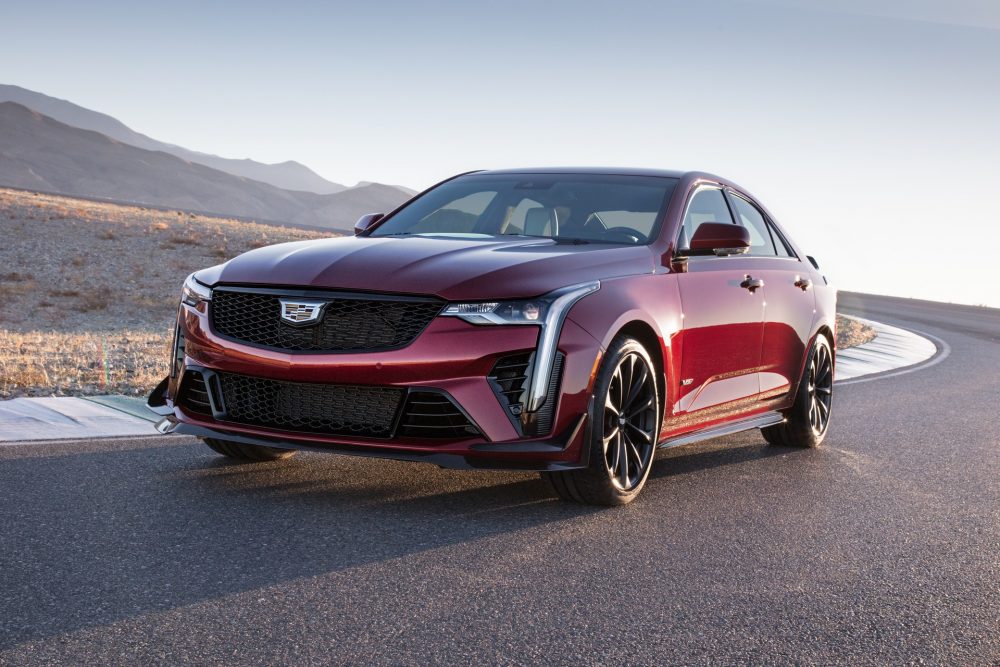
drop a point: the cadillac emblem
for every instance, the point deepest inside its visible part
(301, 313)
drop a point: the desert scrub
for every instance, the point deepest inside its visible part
(42, 363)
(90, 289)
(851, 332)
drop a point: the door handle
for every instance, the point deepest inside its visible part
(752, 283)
(803, 283)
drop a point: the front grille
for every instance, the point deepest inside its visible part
(430, 414)
(349, 323)
(332, 409)
(193, 394)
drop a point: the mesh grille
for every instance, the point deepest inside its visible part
(315, 408)
(346, 324)
(433, 415)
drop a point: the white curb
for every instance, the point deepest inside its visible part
(892, 348)
(57, 418)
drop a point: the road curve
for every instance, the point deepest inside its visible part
(882, 547)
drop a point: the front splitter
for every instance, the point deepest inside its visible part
(486, 461)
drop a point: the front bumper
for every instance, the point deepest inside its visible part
(450, 356)
(516, 455)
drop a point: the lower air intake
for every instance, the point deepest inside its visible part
(347, 410)
(431, 414)
(193, 394)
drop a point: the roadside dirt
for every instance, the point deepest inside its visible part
(88, 291)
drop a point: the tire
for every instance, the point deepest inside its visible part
(621, 449)
(808, 420)
(253, 453)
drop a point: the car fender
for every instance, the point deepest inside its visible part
(653, 300)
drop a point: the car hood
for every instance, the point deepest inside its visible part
(451, 268)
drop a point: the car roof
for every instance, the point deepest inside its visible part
(604, 171)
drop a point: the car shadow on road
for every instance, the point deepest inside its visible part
(98, 537)
(733, 450)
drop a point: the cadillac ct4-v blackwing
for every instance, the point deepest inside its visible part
(569, 321)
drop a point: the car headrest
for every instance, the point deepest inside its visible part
(541, 221)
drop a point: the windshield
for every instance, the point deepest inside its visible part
(566, 207)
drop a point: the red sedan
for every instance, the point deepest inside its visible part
(569, 321)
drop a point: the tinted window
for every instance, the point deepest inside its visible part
(761, 244)
(590, 207)
(779, 243)
(707, 205)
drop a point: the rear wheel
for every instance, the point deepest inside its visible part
(623, 437)
(806, 423)
(242, 452)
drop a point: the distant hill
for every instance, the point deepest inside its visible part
(40, 153)
(287, 175)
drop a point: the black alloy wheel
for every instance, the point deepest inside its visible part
(624, 427)
(630, 411)
(820, 389)
(808, 420)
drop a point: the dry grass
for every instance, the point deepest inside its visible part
(88, 291)
(42, 363)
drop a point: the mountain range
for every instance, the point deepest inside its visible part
(56, 146)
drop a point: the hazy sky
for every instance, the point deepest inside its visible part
(873, 133)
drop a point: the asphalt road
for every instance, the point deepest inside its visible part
(882, 547)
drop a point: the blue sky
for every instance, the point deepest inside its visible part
(871, 132)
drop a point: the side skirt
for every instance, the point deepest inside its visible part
(757, 421)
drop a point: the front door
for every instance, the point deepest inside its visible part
(723, 320)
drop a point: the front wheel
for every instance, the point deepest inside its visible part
(806, 423)
(242, 452)
(626, 422)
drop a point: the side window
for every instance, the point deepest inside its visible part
(707, 205)
(460, 215)
(779, 243)
(761, 243)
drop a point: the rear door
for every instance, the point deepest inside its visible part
(723, 321)
(791, 301)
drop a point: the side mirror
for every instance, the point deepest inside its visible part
(721, 238)
(365, 222)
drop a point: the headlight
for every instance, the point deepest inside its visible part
(501, 312)
(194, 292)
(547, 311)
